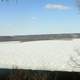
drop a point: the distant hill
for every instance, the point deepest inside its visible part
(24, 38)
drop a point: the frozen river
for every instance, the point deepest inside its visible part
(41, 55)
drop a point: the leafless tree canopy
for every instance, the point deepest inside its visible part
(78, 3)
(8, 0)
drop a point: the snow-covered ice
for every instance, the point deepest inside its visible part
(40, 55)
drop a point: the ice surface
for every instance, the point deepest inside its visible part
(41, 55)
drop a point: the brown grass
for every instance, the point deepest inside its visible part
(28, 75)
(20, 74)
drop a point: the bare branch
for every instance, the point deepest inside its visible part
(74, 61)
(8, 0)
(78, 4)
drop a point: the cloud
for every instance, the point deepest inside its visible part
(34, 18)
(56, 6)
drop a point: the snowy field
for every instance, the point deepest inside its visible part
(41, 55)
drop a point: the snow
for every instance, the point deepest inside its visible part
(41, 55)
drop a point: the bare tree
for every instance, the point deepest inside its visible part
(78, 3)
(74, 61)
(8, 0)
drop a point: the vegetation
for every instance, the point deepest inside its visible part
(78, 3)
(20, 74)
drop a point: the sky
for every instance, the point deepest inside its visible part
(29, 17)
